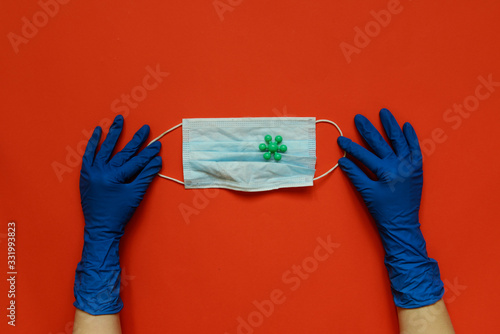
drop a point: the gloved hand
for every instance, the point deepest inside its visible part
(394, 201)
(111, 188)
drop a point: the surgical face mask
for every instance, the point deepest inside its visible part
(248, 154)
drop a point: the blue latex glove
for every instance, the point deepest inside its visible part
(111, 188)
(394, 201)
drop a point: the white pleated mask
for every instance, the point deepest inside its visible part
(248, 154)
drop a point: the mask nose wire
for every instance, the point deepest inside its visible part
(340, 131)
(158, 138)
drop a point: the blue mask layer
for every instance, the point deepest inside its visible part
(224, 153)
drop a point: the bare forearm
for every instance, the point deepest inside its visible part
(431, 319)
(96, 324)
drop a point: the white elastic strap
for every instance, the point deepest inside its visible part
(340, 131)
(158, 138)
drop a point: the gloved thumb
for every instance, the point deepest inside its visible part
(358, 178)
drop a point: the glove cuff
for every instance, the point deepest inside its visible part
(415, 278)
(97, 278)
(97, 292)
(415, 285)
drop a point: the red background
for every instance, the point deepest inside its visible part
(279, 58)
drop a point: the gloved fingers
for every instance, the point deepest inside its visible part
(132, 167)
(370, 160)
(394, 133)
(149, 172)
(358, 178)
(412, 140)
(88, 156)
(372, 137)
(132, 147)
(109, 143)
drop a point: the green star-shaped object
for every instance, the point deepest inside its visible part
(273, 148)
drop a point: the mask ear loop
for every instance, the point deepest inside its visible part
(340, 131)
(158, 138)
